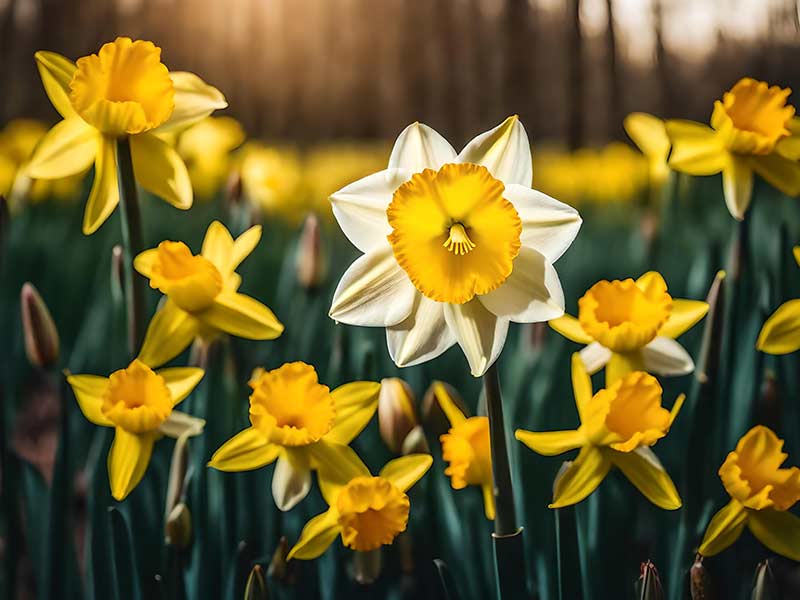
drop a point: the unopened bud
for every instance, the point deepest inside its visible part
(41, 335)
(649, 583)
(415, 442)
(179, 527)
(117, 274)
(397, 413)
(256, 588)
(433, 418)
(233, 188)
(700, 585)
(311, 262)
(367, 566)
(279, 569)
(765, 587)
(177, 473)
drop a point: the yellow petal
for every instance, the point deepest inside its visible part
(244, 246)
(581, 384)
(581, 477)
(622, 364)
(644, 471)
(194, 101)
(355, 405)
(247, 450)
(488, 500)
(104, 197)
(778, 530)
(796, 254)
(550, 443)
(737, 184)
(696, 148)
(406, 471)
(169, 333)
(217, 246)
(652, 284)
(242, 316)
(143, 262)
(180, 424)
(56, 72)
(676, 408)
(570, 328)
(448, 405)
(789, 147)
(724, 529)
(89, 390)
(160, 170)
(316, 536)
(649, 134)
(336, 465)
(684, 314)
(68, 148)
(128, 460)
(781, 333)
(780, 172)
(181, 381)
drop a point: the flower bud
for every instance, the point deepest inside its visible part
(433, 418)
(256, 588)
(279, 569)
(397, 413)
(311, 262)
(649, 584)
(117, 274)
(179, 527)
(415, 442)
(41, 335)
(233, 189)
(700, 585)
(367, 566)
(177, 473)
(765, 587)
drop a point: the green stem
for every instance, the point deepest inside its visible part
(132, 244)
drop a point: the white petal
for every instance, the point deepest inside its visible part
(291, 479)
(531, 294)
(480, 333)
(504, 150)
(595, 357)
(423, 336)
(548, 225)
(420, 147)
(374, 291)
(665, 356)
(360, 208)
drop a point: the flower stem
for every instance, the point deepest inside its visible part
(132, 244)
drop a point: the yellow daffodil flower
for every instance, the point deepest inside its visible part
(123, 90)
(205, 148)
(202, 296)
(271, 180)
(781, 333)
(618, 426)
(649, 134)
(466, 447)
(753, 129)
(299, 423)
(456, 246)
(631, 326)
(139, 404)
(366, 511)
(761, 495)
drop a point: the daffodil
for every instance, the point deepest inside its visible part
(139, 404)
(298, 422)
(205, 148)
(753, 130)
(122, 91)
(456, 246)
(202, 297)
(466, 447)
(761, 495)
(366, 511)
(619, 424)
(271, 180)
(649, 133)
(781, 333)
(632, 325)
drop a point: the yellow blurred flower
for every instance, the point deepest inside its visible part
(761, 495)
(139, 404)
(206, 149)
(781, 333)
(649, 133)
(271, 178)
(202, 294)
(618, 426)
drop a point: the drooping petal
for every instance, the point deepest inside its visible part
(70, 147)
(104, 197)
(665, 356)
(355, 404)
(407, 470)
(242, 316)
(246, 451)
(360, 207)
(181, 424)
(645, 471)
(194, 101)
(89, 390)
(531, 294)
(595, 357)
(550, 443)
(504, 150)
(291, 479)
(781, 332)
(218, 246)
(181, 381)
(480, 333)
(724, 529)
(374, 291)
(447, 404)
(581, 477)
(423, 336)
(737, 185)
(548, 225)
(56, 72)
(581, 384)
(696, 148)
(780, 172)
(169, 333)
(336, 465)
(128, 460)
(420, 147)
(570, 328)
(160, 170)
(317, 535)
(778, 530)
(684, 314)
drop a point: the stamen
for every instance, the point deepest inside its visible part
(458, 241)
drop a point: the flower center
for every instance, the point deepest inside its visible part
(137, 399)
(191, 281)
(372, 511)
(124, 88)
(622, 316)
(453, 232)
(290, 406)
(466, 448)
